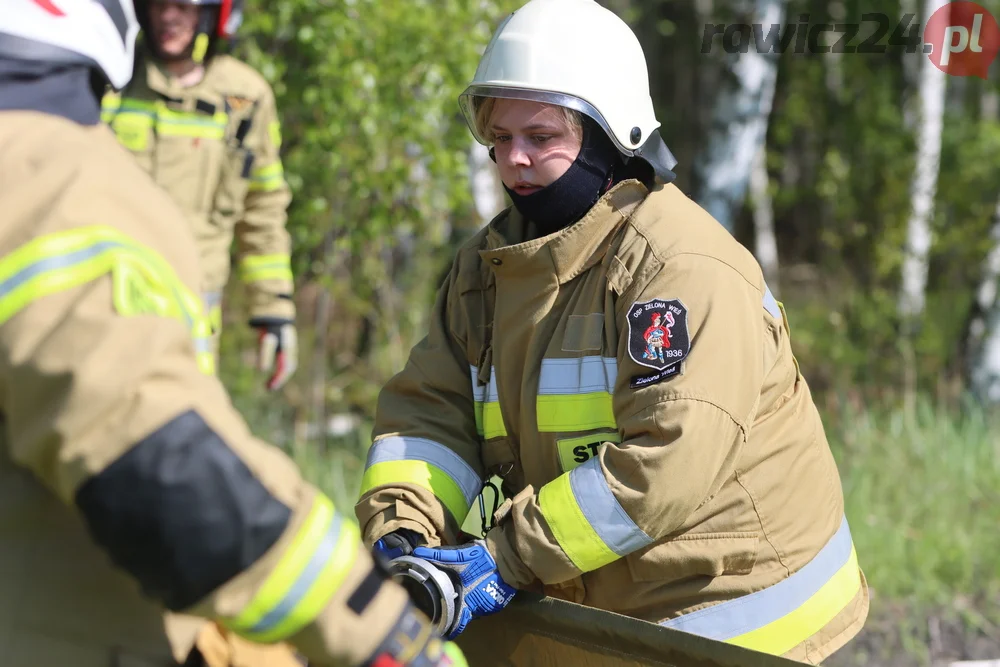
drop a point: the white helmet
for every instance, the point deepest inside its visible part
(98, 33)
(576, 54)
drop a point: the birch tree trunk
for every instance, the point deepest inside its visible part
(983, 345)
(924, 185)
(487, 192)
(738, 121)
(984, 361)
(765, 242)
(911, 62)
(834, 70)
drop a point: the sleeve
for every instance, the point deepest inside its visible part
(105, 403)
(263, 244)
(424, 468)
(682, 418)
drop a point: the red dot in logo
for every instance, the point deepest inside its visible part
(49, 7)
(964, 39)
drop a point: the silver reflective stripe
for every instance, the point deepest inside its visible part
(319, 560)
(67, 260)
(211, 299)
(603, 511)
(487, 393)
(582, 375)
(54, 263)
(202, 345)
(404, 448)
(770, 303)
(750, 612)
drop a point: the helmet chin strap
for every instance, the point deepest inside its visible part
(199, 47)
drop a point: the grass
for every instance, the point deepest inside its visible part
(922, 490)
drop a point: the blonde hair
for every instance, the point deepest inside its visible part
(484, 107)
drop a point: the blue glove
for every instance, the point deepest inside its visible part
(397, 543)
(481, 590)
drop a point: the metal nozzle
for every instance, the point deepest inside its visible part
(431, 589)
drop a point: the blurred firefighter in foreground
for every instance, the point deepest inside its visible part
(128, 484)
(205, 126)
(614, 354)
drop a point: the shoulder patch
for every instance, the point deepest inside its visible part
(238, 103)
(658, 338)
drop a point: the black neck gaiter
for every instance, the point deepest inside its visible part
(61, 90)
(569, 197)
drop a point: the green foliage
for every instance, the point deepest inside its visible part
(374, 144)
(923, 497)
(375, 150)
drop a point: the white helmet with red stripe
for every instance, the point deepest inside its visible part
(98, 33)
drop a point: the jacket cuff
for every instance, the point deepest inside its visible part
(272, 306)
(392, 519)
(500, 543)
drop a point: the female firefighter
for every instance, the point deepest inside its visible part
(128, 483)
(614, 354)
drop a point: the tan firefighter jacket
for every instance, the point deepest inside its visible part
(214, 147)
(632, 380)
(112, 419)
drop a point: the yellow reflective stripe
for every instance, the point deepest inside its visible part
(270, 171)
(268, 178)
(438, 459)
(575, 412)
(486, 406)
(130, 104)
(493, 426)
(477, 408)
(578, 539)
(422, 474)
(782, 616)
(142, 281)
(204, 355)
(266, 267)
(133, 114)
(48, 265)
(132, 126)
(489, 420)
(791, 630)
(188, 124)
(108, 115)
(311, 570)
(111, 100)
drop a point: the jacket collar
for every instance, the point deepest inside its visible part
(161, 81)
(568, 252)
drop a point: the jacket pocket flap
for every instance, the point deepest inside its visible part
(705, 554)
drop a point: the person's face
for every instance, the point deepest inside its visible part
(534, 144)
(173, 25)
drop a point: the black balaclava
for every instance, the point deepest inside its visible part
(65, 90)
(567, 199)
